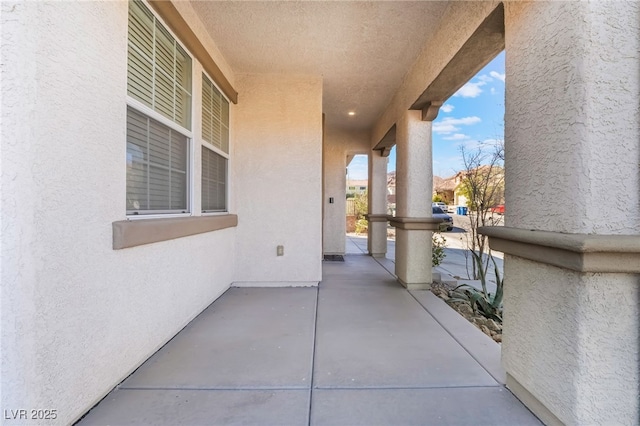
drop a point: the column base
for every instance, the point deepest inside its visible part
(377, 235)
(532, 403)
(413, 258)
(415, 286)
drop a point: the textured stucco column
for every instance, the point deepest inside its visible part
(571, 336)
(377, 230)
(414, 179)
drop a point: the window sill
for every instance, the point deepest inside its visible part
(132, 233)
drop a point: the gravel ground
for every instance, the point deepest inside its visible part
(489, 327)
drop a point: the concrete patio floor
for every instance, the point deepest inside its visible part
(357, 350)
(455, 267)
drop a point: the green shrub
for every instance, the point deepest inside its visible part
(362, 226)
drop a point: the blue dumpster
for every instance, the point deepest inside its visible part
(461, 211)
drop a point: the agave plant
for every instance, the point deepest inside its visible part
(488, 304)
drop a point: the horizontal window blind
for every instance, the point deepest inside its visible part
(157, 165)
(214, 181)
(215, 116)
(159, 70)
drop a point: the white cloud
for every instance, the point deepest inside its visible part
(470, 90)
(493, 90)
(497, 75)
(485, 78)
(444, 128)
(456, 137)
(447, 108)
(466, 121)
(449, 124)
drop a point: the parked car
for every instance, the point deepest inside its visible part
(447, 225)
(440, 204)
(499, 209)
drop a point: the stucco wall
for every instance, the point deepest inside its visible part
(277, 181)
(338, 144)
(77, 316)
(572, 340)
(572, 117)
(572, 127)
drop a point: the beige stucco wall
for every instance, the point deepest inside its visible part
(277, 183)
(572, 340)
(338, 144)
(572, 104)
(78, 317)
(572, 127)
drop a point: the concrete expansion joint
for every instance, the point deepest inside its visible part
(577, 252)
(380, 387)
(216, 388)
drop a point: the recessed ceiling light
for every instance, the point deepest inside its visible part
(352, 113)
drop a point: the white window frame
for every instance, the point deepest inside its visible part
(189, 134)
(215, 149)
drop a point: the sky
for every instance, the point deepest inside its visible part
(472, 116)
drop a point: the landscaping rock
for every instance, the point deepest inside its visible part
(464, 308)
(492, 325)
(488, 326)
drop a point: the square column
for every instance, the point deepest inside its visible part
(572, 287)
(377, 217)
(414, 186)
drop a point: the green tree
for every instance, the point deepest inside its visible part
(361, 209)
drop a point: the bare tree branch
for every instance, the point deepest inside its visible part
(482, 183)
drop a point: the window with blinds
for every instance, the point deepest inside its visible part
(215, 116)
(159, 70)
(214, 181)
(158, 77)
(215, 132)
(157, 166)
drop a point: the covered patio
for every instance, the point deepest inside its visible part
(173, 173)
(357, 350)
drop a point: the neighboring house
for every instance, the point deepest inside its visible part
(488, 182)
(356, 187)
(156, 153)
(445, 188)
(452, 190)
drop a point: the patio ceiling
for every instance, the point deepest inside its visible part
(362, 49)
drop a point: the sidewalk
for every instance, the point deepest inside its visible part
(357, 350)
